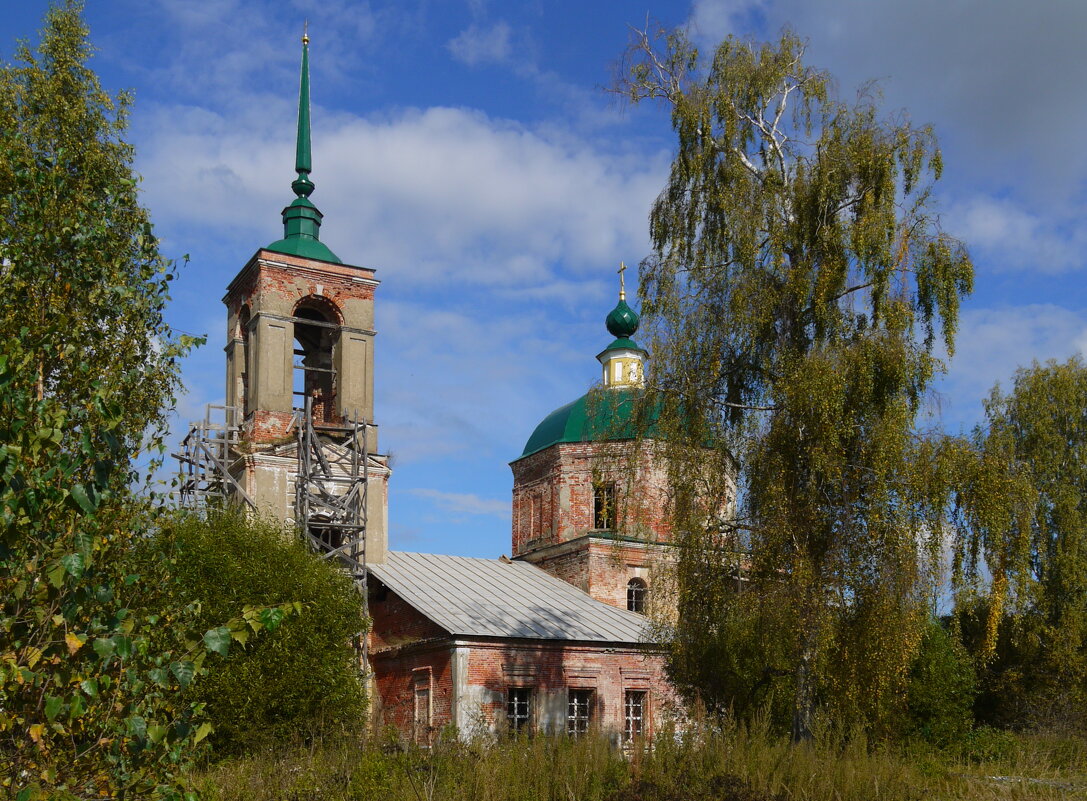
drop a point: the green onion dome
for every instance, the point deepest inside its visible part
(602, 416)
(622, 321)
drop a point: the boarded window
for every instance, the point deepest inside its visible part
(519, 709)
(633, 715)
(422, 723)
(421, 732)
(604, 505)
(637, 594)
(578, 711)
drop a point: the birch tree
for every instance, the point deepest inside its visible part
(798, 287)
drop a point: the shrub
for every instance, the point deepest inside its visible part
(303, 680)
(941, 690)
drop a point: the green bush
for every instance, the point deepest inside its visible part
(941, 690)
(301, 681)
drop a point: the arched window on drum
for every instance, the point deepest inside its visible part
(637, 595)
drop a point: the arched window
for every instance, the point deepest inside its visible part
(316, 334)
(637, 594)
(244, 317)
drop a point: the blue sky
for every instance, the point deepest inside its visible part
(468, 152)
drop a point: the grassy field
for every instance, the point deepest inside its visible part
(724, 763)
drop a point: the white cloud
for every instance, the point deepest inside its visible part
(464, 503)
(481, 44)
(1005, 233)
(993, 343)
(999, 79)
(502, 202)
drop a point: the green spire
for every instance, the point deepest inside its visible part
(301, 219)
(302, 186)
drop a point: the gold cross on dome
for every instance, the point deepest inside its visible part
(622, 281)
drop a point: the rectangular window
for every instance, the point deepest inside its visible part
(633, 715)
(578, 711)
(604, 505)
(519, 709)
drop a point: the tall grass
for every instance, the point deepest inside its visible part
(723, 761)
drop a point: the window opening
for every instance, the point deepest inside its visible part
(314, 375)
(330, 536)
(637, 594)
(244, 317)
(422, 714)
(633, 715)
(604, 505)
(578, 709)
(518, 709)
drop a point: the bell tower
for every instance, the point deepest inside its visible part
(300, 367)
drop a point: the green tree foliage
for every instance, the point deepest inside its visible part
(798, 286)
(88, 708)
(942, 687)
(301, 681)
(1038, 559)
(77, 254)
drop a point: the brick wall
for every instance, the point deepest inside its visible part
(549, 669)
(395, 621)
(553, 493)
(399, 673)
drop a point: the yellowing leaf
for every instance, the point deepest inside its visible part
(33, 655)
(74, 642)
(202, 732)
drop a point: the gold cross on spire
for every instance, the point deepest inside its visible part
(622, 281)
(305, 32)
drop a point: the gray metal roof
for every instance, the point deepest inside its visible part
(494, 598)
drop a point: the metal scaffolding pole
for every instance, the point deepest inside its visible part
(204, 457)
(331, 483)
(331, 492)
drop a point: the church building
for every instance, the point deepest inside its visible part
(554, 639)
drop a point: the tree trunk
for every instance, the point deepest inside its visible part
(804, 700)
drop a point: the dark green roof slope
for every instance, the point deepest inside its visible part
(599, 415)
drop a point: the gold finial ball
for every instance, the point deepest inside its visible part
(305, 33)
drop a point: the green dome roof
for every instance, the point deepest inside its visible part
(596, 416)
(622, 321)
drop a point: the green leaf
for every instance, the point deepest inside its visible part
(56, 576)
(159, 676)
(137, 727)
(53, 705)
(124, 646)
(184, 671)
(104, 647)
(218, 640)
(271, 618)
(73, 563)
(156, 732)
(90, 686)
(202, 732)
(78, 493)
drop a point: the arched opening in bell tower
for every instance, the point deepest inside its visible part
(244, 317)
(316, 336)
